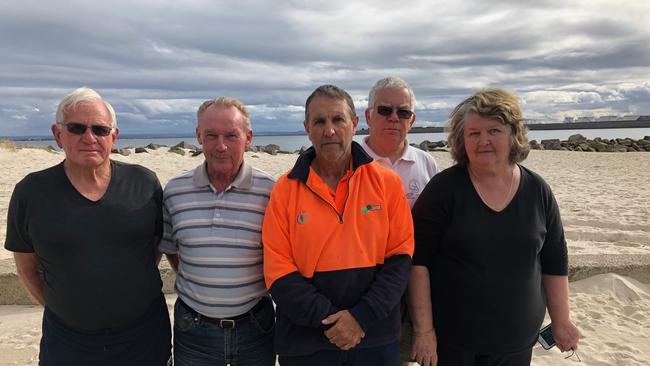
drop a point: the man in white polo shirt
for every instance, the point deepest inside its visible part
(212, 238)
(390, 115)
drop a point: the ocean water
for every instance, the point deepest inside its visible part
(294, 142)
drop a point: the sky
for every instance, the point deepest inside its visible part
(156, 61)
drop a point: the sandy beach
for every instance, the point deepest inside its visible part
(605, 207)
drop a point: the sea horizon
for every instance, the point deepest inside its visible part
(290, 141)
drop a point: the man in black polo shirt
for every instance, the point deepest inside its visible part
(84, 234)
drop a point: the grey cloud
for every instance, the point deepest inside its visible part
(157, 61)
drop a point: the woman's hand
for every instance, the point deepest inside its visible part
(424, 348)
(566, 335)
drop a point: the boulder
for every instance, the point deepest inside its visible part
(303, 148)
(598, 145)
(253, 148)
(185, 145)
(196, 152)
(123, 152)
(139, 150)
(153, 146)
(441, 143)
(427, 145)
(271, 149)
(624, 142)
(576, 139)
(552, 144)
(584, 146)
(177, 150)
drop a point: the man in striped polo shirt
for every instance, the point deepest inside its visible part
(212, 238)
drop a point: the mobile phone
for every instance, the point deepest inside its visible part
(546, 337)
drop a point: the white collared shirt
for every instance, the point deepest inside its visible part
(415, 167)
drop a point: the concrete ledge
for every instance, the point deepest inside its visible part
(580, 267)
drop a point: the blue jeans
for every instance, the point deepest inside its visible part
(249, 343)
(387, 355)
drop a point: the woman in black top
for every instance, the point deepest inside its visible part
(490, 252)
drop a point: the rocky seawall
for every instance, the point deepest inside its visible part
(575, 142)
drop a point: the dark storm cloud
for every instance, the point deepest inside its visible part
(156, 61)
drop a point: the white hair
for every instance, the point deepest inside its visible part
(81, 95)
(390, 82)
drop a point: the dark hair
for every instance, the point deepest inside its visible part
(330, 91)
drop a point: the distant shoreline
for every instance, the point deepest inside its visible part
(548, 126)
(364, 131)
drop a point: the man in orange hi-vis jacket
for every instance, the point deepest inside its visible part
(338, 241)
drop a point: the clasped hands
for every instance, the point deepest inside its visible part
(346, 333)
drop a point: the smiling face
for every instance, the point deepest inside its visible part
(388, 133)
(330, 127)
(487, 141)
(86, 150)
(224, 138)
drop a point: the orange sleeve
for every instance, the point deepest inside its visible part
(278, 257)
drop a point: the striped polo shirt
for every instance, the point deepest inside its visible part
(218, 236)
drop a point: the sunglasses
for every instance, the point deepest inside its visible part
(79, 129)
(387, 111)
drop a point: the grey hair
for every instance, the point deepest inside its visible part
(390, 82)
(496, 104)
(79, 96)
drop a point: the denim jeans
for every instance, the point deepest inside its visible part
(249, 343)
(387, 355)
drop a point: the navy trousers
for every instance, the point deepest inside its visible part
(387, 355)
(147, 342)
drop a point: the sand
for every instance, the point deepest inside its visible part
(605, 207)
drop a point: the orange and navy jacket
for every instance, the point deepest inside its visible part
(320, 257)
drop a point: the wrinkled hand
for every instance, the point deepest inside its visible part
(346, 332)
(424, 350)
(566, 335)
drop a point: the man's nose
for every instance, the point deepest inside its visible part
(393, 117)
(88, 136)
(329, 129)
(221, 144)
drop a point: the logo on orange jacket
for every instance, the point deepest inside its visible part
(367, 208)
(302, 218)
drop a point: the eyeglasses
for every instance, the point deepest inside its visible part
(387, 111)
(79, 129)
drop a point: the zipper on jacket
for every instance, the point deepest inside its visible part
(345, 204)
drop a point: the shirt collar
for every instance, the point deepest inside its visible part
(243, 179)
(300, 170)
(407, 155)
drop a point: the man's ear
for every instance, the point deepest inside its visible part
(198, 135)
(56, 132)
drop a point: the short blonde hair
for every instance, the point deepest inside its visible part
(497, 104)
(226, 102)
